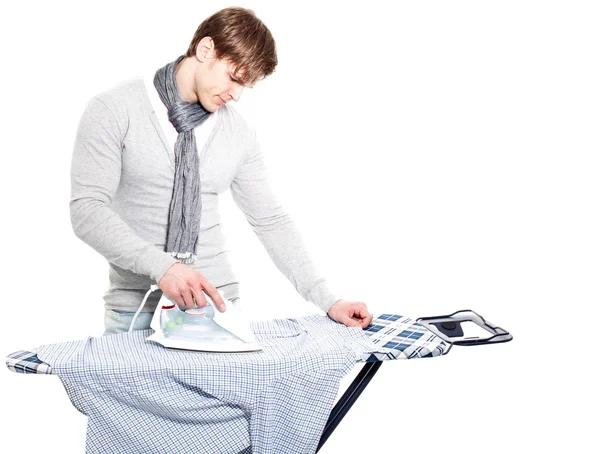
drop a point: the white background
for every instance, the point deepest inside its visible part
(436, 156)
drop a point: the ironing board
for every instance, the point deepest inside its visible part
(393, 337)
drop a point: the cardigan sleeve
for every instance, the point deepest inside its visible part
(95, 176)
(276, 230)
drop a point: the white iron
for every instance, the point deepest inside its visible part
(202, 329)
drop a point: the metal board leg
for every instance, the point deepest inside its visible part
(348, 398)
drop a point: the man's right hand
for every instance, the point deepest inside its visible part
(184, 285)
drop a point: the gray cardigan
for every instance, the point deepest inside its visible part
(121, 184)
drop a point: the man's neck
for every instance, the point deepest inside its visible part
(184, 76)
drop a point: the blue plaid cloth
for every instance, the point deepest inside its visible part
(398, 337)
(26, 362)
(141, 397)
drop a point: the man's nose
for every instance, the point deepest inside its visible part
(236, 92)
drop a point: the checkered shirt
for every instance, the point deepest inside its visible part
(141, 397)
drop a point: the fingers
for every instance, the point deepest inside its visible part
(367, 320)
(357, 315)
(184, 286)
(176, 297)
(364, 322)
(363, 316)
(199, 295)
(215, 296)
(172, 291)
(188, 300)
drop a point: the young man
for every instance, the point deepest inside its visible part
(151, 157)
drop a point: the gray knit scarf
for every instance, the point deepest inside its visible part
(184, 211)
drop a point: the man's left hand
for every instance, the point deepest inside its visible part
(350, 313)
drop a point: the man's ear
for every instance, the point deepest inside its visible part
(205, 49)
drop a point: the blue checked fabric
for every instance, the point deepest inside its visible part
(26, 362)
(397, 337)
(141, 397)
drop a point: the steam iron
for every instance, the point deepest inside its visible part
(202, 328)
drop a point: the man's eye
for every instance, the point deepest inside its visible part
(237, 81)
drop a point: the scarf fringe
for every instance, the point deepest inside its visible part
(187, 258)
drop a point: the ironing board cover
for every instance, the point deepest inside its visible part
(392, 336)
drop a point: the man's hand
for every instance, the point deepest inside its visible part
(350, 313)
(184, 285)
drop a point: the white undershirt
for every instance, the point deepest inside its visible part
(201, 132)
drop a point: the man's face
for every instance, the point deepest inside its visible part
(216, 84)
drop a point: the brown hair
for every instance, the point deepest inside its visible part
(241, 38)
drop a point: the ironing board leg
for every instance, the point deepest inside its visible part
(347, 400)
